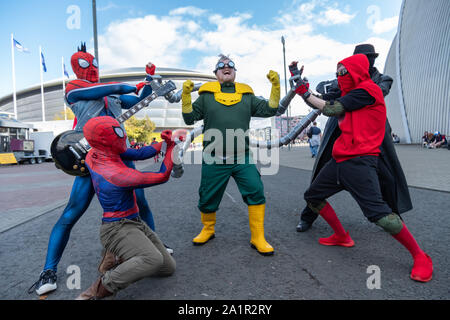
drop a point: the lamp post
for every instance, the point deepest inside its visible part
(94, 17)
(285, 86)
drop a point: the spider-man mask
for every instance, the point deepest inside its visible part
(106, 135)
(85, 65)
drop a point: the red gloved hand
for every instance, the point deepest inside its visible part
(180, 134)
(302, 88)
(293, 67)
(150, 68)
(166, 135)
(139, 86)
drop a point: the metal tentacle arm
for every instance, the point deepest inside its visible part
(176, 97)
(182, 146)
(286, 101)
(299, 128)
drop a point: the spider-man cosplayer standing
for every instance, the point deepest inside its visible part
(88, 99)
(139, 250)
(353, 166)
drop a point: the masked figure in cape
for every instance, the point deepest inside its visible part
(226, 107)
(88, 99)
(354, 162)
(394, 187)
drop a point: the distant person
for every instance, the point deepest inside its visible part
(425, 139)
(437, 141)
(395, 138)
(314, 135)
(152, 143)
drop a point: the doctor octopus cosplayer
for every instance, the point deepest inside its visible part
(88, 99)
(227, 106)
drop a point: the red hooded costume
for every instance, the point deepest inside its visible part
(363, 129)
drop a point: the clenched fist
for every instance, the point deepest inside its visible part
(166, 135)
(273, 77)
(150, 68)
(188, 86)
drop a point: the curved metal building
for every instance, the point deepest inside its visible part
(162, 113)
(419, 63)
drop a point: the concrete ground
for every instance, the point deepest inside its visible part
(227, 268)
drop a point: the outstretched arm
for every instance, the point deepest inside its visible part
(78, 90)
(135, 179)
(142, 153)
(129, 101)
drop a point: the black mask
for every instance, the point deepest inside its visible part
(371, 60)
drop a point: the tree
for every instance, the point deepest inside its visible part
(60, 115)
(139, 130)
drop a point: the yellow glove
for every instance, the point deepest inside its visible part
(274, 78)
(186, 100)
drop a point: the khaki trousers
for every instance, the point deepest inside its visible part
(142, 252)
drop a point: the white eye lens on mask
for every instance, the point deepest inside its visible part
(119, 132)
(83, 63)
(95, 63)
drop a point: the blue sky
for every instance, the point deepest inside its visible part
(190, 34)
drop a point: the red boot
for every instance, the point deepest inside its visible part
(335, 240)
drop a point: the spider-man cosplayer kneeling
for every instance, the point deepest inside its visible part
(140, 252)
(88, 98)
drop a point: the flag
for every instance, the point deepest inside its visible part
(65, 71)
(20, 47)
(44, 67)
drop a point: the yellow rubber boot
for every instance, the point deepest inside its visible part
(207, 233)
(256, 221)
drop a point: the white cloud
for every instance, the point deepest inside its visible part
(190, 10)
(254, 49)
(334, 17)
(385, 25)
(109, 6)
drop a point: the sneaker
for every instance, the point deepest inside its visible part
(423, 268)
(335, 240)
(45, 284)
(169, 249)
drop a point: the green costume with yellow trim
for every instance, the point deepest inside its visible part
(222, 107)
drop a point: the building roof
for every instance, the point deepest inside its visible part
(129, 73)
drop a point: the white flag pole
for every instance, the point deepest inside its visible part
(13, 76)
(64, 88)
(42, 83)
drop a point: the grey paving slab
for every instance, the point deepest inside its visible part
(423, 168)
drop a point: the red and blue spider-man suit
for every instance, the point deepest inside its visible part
(88, 99)
(122, 233)
(114, 182)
